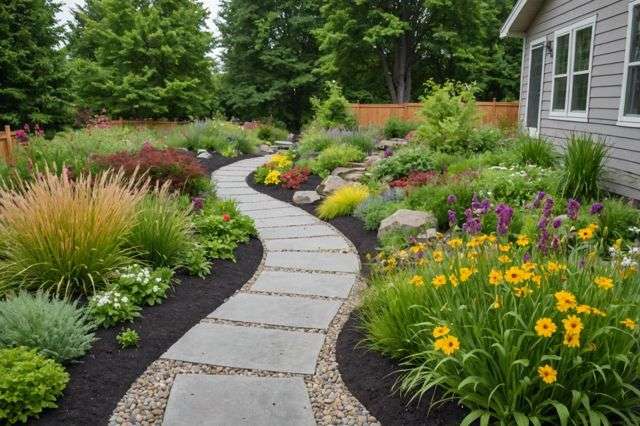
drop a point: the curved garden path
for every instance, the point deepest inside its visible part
(267, 355)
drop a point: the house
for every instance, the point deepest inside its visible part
(581, 74)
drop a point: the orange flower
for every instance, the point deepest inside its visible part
(548, 374)
(545, 327)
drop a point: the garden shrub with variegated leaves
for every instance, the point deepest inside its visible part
(520, 329)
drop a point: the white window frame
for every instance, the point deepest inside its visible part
(535, 43)
(566, 113)
(626, 120)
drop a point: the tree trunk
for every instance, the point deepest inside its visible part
(388, 76)
(398, 77)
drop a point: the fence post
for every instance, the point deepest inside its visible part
(8, 145)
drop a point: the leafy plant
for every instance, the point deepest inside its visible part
(415, 179)
(142, 285)
(359, 140)
(617, 220)
(55, 328)
(343, 201)
(374, 210)
(398, 128)
(295, 177)
(29, 384)
(272, 133)
(313, 142)
(162, 231)
(537, 151)
(66, 236)
(333, 112)
(484, 139)
(195, 261)
(583, 167)
(412, 158)
(112, 307)
(128, 338)
(335, 156)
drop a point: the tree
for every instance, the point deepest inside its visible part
(143, 58)
(32, 68)
(415, 40)
(269, 57)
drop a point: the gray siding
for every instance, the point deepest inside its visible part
(623, 174)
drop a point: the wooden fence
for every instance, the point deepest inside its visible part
(502, 114)
(7, 142)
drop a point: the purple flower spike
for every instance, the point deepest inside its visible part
(573, 208)
(452, 199)
(596, 208)
(538, 200)
(527, 257)
(505, 214)
(453, 219)
(197, 203)
(388, 153)
(557, 222)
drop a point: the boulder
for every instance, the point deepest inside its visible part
(267, 149)
(391, 143)
(283, 144)
(404, 219)
(372, 160)
(350, 174)
(204, 154)
(330, 184)
(428, 235)
(305, 197)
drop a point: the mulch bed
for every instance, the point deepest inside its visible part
(101, 378)
(368, 375)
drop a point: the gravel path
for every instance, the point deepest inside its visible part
(267, 355)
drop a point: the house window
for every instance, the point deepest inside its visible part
(572, 70)
(630, 98)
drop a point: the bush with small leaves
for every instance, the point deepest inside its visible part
(128, 338)
(112, 307)
(29, 383)
(144, 286)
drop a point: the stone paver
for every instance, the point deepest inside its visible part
(334, 262)
(252, 198)
(278, 310)
(296, 231)
(249, 347)
(231, 192)
(306, 244)
(248, 207)
(277, 212)
(238, 400)
(305, 283)
(290, 221)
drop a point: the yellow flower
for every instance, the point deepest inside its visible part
(504, 259)
(629, 323)
(583, 309)
(523, 240)
(439, 280)
(523, 291)
(465, 274)
(453, 280)
(565, 301)
(273, 178)
(528, 266)
(545, 327)
(571, 340)
(605, 283)
(448, 345)
(496, 303)
(421, 262)
(454, 243)
(440, 331)
(495, 277)
(548, 374)
(537, 279)
(504, 248)
(417, 281)
(514, 275)
(598, 312)
(438, 256)
(585, 233)
(417, 248)
(593, 226)
(553, 266)
(572, 324)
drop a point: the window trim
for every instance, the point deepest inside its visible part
(536, 43)
(624, 120)
(566, 113)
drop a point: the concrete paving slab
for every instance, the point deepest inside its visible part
(288, 211)
(229, 192)
(256, 197)
(296, 231)
(305, 283)
(307, 244)
(249, 347)
(226, 400)
(314, 261)
(288, 221)
(286, 311)
(265, 205)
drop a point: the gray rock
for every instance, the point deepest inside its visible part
(330, 184)
(428, 235)
(204, 154)
(283, 144)
(350, 174)
(391, 143)
(372, 160)
(267, 149)
(305, 197)
(404, 219)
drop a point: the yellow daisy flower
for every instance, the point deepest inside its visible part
(495, 277)
(439, 280)
(438, 256)
(448, 345)
(604, 283)
(573, 324)
(523, 240)
(548, 374)
(545, 327)
(629, 323)
(440, 331)
(417, 281)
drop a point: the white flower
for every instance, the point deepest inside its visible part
(125, 299)
(627, 262)
(155, 289)
(116, 305)
(158, 279)
(634, 250)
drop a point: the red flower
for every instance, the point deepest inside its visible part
(226, 218)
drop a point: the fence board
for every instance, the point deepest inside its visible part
(7, 140)
(503, 114)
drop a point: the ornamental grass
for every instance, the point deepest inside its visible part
(343, 201)
(520, 330)
(66, 236)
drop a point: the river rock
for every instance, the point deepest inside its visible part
(404, 219)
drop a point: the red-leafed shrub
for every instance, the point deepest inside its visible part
(415, 179)
(184, 171)
(295, 177)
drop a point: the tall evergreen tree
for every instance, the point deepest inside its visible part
(143, 58)
(32, 67)
(269, 56)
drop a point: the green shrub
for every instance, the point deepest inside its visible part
(29, 384)
(617, 220)
(516, 185)
(449, 117)
(128, 338)
(272, 133)
(335, 111)
(537, 151)
(225, 138)
(195, 261)
(361, 141)
(485, 139)
(411, 158)
(398, 128)
(162, 231)
(142, 285)
(313, 142)
(335, 156)
(55, 328)
(434, 199)
(342, 202)
(111, 307)
(583, 167)
(373, 210)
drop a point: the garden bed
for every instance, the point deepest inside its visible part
(368, 375)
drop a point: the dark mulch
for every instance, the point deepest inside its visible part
(216, 161)
(368, 375)
(101, 378)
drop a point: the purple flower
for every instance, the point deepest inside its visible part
(39, 131)
(557, 222)
(505, 214)
(388, 153)
(22, 136)
(555, 243)
(26, 128)
(197, 203)
(538, 200)
(452, 199)
(527, 257)
(548, 207)
(472, 225)
(573, 208)
(596, 208)
(543, 240)
(453, 218)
